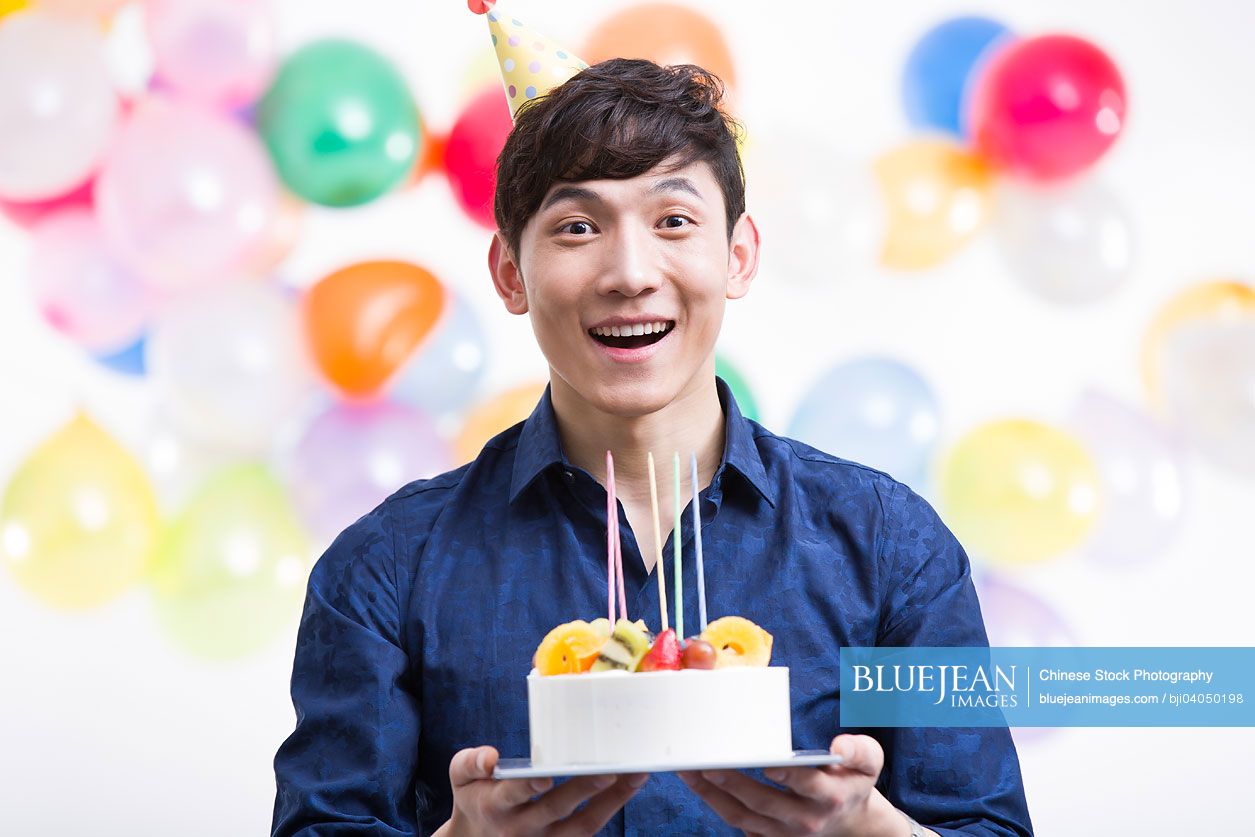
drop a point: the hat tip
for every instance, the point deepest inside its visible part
(480, 7)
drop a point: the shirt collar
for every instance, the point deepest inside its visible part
(539, 446)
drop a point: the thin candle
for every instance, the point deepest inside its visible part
(661, 571)
(617, 548)
(697, 546)
(611, 515)
(679, 565)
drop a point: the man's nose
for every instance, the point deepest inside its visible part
(629, 267)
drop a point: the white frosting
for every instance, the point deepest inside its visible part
(660, 717)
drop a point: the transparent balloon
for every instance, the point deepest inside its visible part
(58, 110)
(1069, 244)
(219, 52)
(78, 521)
(230, 364)
(187, 197)
(230, 573)
(1209, 389)
(1141, 464)
(351, 457)
(80, 287)
(1018, 491)
(876, 411)
(442, 376)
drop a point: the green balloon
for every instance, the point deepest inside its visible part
(340, 123)
(230, 572)
(740, 389)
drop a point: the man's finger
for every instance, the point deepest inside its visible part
(782, 805)
(561, 802)
(594, 816)
(861, 753)
(729, 808)
(511, 793)
(471, 764)
(810, 782)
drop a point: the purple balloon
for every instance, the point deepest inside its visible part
(1141, 465)
(352, 456)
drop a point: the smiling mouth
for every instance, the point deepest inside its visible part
(630, 341)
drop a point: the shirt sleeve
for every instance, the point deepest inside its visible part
(349, 767)
(952, 780)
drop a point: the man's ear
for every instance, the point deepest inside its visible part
(742, 256)
(506, 276)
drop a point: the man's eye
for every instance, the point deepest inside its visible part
(667, 221)
(576, 228)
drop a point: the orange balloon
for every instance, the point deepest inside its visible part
(665, 34)
(491, 417)
(364, 321)
(1219, 302)
(937, 196)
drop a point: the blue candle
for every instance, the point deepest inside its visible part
(697, 545)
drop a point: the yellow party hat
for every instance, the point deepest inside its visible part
(531, 64)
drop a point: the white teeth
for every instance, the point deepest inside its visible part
(631, 331)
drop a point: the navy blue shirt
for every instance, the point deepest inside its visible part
(421, 619)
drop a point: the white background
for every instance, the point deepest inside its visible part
(109, 729)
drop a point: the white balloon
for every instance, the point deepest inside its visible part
(1070, 243)
(231, 365)
(58, 109)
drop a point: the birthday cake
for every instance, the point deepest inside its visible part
(603, 696)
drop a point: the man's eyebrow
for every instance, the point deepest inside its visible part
(580, 193)
(676, 184)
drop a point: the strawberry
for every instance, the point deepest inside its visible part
(664, 655)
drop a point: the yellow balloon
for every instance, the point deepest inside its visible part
(79, 520)
(937, 196)
(8, 7)
(1017, 491)
(495, 415)
(1219, 303)
(231, 569)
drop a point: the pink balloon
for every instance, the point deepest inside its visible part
(218, 52)
(470, 156)
(79, 286)
(187, 196)
(28, 213)
(1047, 107)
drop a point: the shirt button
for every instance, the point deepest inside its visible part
(570, 477)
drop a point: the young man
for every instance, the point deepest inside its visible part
(620, 203)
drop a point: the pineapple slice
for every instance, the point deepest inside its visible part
(738, 642)
(569, 648)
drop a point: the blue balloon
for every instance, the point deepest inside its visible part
(128, 361)
(875, 411)
(939, 68)
(442, 377)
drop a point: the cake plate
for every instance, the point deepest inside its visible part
(523, 769)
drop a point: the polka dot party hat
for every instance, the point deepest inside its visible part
(531, 64)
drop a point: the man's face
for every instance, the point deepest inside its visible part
(648, 254)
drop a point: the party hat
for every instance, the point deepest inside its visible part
(531, 64)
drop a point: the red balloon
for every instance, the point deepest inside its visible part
(1047, 107)
(470, 154)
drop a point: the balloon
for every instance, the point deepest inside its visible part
(1218, 302)
(822, 218)
(364, 321)
(351, 457)
(80, 288)
(1018, 491)
(876, 411)
(340, 123)
(665, 34)
(441, 377)
(495, 415)
(186, 197)
(745, 401)
(217, 52)
(78, 521)
(126, 361)
(938, 197)
(93, 10)
(230, 364)
(1142, 470)
(470, 154)
(28, 213)
(940, 67)
(1016, 617)
(57, 108)
(1047, 107)
(1209, 389)
(8, 7)
(231, 570)
(1069, 244)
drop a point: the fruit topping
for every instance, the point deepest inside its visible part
(665, 655)
(698, 653)
(569, 648)
(624, 650)
(738, 642)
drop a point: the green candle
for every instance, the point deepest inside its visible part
(679, 574)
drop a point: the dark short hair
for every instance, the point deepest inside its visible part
(615, 120)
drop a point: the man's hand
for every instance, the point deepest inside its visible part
(483, 805)
(832, 800)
